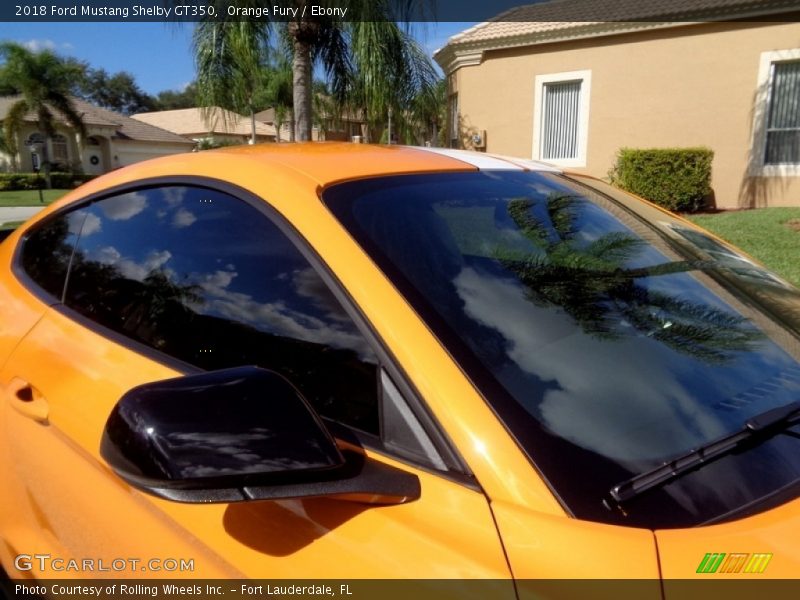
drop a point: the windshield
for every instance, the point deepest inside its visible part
(606, 344)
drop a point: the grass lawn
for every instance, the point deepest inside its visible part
(771, 235)
(30, 197)
(11, 225)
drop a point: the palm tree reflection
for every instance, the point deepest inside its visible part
(594, 283)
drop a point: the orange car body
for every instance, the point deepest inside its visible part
(59, 498)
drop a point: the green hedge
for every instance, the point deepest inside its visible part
(11, 182)
(675, 178)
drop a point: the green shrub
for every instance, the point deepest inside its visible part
(675, 178)
(12, 182)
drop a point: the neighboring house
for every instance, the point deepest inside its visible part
(543, 82)
(113, 140)
(343, 127)
(214, 124)
(330, 128)
(267, 117)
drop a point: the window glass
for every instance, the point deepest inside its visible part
(607, 345)
(47, 250)
(783, 126)
(60, 153)
(560, 118)
(208, 279)
(454, 125)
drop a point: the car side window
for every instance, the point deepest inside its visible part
(47, 250)
(208, 279)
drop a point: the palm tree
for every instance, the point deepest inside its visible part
(231, 57)
(44, 82)
(389, 72)
(277, 92)
(368, 59)
(429, 110)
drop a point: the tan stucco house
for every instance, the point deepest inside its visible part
(213, 124)
(113, 140)
(571, 81)
(343, 128)
(267, 117)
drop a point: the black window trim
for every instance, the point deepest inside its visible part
(457, 469)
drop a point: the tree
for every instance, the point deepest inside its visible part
(231, 57)
(372, 64)
(276, 92)
(174, 99)
(368, 59)
(117, 92)
(429, 114)
(44, 82)
(389, 72)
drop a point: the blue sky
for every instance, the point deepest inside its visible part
(157, 54)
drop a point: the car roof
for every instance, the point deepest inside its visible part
(328, 162)
(314, 164)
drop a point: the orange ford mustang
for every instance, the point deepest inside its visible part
(351, 361)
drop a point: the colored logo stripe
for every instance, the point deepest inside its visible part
(758, 562)
(736, 562)
(710, 562)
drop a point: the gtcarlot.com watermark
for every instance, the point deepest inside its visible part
(54, 564)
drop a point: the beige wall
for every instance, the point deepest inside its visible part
(114, 153)
(688, 86)
(127, 152)
(24, 154)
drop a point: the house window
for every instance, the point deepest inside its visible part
(783, 116)
(60, 149)
(35, 138)
(453, 121)
(561, 118)
(776, 116)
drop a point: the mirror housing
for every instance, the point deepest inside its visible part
(238, 434)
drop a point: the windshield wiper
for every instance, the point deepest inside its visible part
(765, 424)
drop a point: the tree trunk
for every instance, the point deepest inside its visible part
(301, 92)
(252, 126)
(46, 162)
(291, 129)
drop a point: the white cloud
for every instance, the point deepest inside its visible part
(219, 280)
(130, 268)
(309, 285)
(274, 317)
(91, 225)
(124, 207)
(77, 224)
(173, 196)
(108, 255)
(39, 45)
(36, 45)
(183, 218)
(646, 409)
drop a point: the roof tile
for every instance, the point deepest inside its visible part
(557, 15)
(91, 115)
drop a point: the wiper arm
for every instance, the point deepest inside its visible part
(764, 424)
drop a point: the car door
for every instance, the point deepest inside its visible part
(174, 279)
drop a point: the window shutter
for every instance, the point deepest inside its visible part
(783, 123)
(560, 118)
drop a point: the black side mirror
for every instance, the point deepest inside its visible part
(238, 434)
